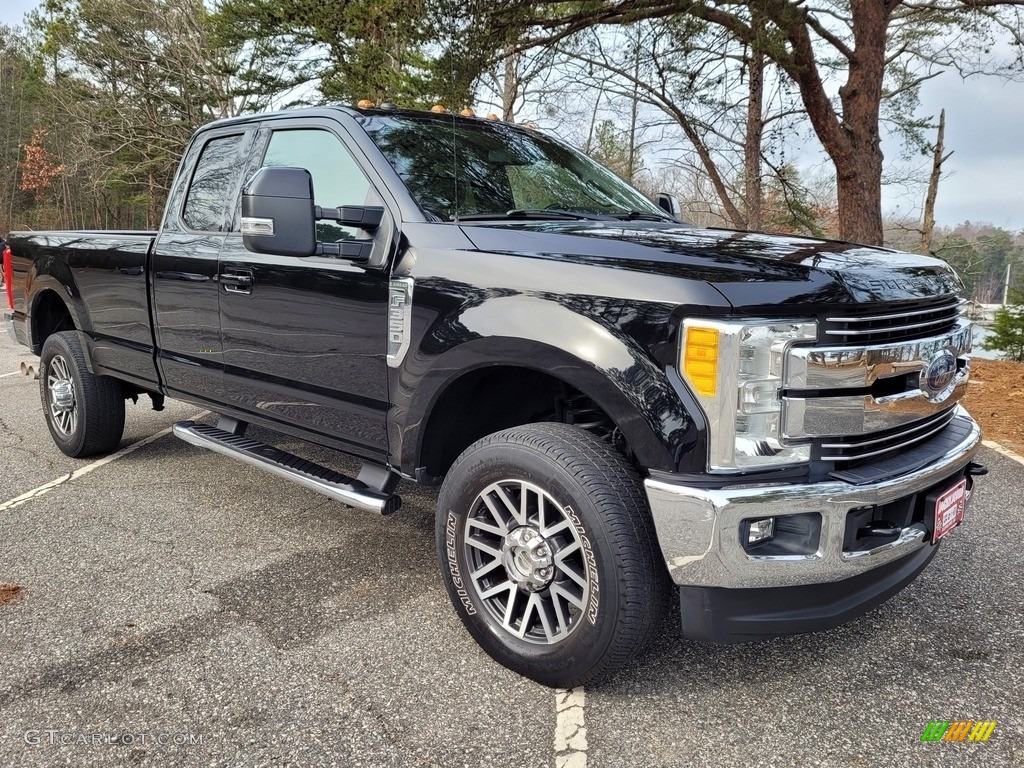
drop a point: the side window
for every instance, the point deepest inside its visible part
(212, 182)
(337, 179)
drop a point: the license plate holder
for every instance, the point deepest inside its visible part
(948, 510)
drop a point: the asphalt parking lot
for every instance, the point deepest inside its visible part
(179, 608)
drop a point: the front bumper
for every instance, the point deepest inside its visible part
(699, 531)
(740, 615)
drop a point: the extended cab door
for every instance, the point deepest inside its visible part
(184, 266)
(305, 338)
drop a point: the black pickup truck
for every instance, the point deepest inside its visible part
(618, 406)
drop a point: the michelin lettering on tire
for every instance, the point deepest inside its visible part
(591, 561)
(451, 527)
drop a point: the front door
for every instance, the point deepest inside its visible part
(305, 338)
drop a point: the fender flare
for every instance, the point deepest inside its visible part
(40, 287)
(599, 360)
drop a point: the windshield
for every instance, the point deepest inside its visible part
(464, 168)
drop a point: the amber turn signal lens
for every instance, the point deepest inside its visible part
(700, 360)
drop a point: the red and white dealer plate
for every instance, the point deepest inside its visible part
(949, 510)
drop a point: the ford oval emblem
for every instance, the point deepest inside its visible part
(937, 377)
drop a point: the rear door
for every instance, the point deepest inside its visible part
(184, 264)
(305, 338)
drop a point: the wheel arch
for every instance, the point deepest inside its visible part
(50, 312)
(635, 395)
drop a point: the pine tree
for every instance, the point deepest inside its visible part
(1007, 332)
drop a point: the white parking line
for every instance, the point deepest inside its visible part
(35, 493)
(1003, 450)
(570, 729)
(13, 373)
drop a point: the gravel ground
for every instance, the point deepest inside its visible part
(175, 595)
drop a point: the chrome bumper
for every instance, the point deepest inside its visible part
(699, 530)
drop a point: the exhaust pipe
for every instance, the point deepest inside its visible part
(29, 371)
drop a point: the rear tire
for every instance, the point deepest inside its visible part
(549, 554)
(84, 412)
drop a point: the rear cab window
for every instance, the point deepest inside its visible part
(213, 183)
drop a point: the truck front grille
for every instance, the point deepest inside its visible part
(916, 321)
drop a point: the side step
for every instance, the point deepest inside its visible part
(340, 487)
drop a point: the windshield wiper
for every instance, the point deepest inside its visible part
(530, 213)
(644, 215)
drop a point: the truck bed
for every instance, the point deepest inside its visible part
(103, 273)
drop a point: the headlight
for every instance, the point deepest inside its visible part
(735, 370)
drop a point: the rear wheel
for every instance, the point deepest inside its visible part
(549, 555)
(84, 412)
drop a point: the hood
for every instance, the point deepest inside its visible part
(749, 269)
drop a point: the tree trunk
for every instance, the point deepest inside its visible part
(634, 110)
(928, 217)
(852, 138)
(752, 140)
(859, 166)
(859, 195)
(510, 89)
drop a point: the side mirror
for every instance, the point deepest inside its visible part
(668, 203)
(278, 215)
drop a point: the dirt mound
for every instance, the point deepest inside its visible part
(995, 397)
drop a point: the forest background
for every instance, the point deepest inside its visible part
(772, 115)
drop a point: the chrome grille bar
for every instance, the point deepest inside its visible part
(917, 434)
(873, 318)
(898, 325)
(862, 414)
(938, 323)
(837, 367)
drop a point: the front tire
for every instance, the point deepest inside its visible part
(84, 412)
(549, 554)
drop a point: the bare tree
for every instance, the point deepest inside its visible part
(859, 43)
(939, 156)
(713, 89)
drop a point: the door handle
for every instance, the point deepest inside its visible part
(237, 280)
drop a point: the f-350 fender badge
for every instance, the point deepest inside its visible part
(399, 319)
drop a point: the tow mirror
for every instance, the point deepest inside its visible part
(278, 215)
(668, 203)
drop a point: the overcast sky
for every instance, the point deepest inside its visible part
(984, 116)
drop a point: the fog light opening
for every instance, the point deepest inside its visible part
(760, 531)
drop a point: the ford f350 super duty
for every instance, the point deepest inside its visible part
(618, 407)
